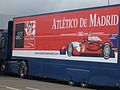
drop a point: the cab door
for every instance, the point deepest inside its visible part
(2, 48)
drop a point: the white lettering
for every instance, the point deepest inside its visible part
(65, 23)
(108, 20)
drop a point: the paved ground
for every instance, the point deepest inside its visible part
(15, 83)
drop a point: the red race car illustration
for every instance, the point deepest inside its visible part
(92, 46)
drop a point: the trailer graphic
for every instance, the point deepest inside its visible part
(70, 34)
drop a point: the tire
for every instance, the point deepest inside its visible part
(2, 69)
(106, 50)
(70, 50)
(23, 69)
(84, 85)
(71, 83)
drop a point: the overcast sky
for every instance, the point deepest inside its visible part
(28, 7)
(12, 8)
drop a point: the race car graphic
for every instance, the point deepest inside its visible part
(92, 46)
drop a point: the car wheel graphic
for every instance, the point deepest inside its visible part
(106, 50)
(70, 50)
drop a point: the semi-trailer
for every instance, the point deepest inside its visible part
(76, 46)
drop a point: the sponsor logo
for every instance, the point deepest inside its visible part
(30, 28)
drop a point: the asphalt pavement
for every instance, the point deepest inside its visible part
(16, 83)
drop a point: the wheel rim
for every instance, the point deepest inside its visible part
(84, 85)
(106, 51)
(23, 70)
(71, 83)
(2, 67)
(70, 50)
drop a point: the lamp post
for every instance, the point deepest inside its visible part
(108, 2)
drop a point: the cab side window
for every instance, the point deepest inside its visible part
(2, 43)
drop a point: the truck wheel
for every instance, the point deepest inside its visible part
(84, 85)
(70, 50)
(71, 83)
(2, 68)
(106, 50)
(22, 69)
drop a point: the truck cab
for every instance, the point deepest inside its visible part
(5, 46)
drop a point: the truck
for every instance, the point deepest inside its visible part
(5, 46)
(78, 46)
